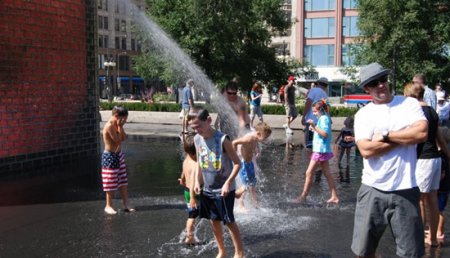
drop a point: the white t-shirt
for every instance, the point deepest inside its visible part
(443, 110)
(314, 95)
(394, 170)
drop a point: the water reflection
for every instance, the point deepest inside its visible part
(279, 227)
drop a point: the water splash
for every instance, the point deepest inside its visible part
(156, 39)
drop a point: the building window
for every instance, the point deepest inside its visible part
(348, 55)
(349, 26)
(102, 4)
(101, 61)
(124, 63)
(123, 25)
(116, 24)
(319, 28)
(124, 43)
(103, 22)
(117, 42)
(133, 44)
(350, 4)
(281, 50)
(319, 55)
(319, 5)
(103, 41)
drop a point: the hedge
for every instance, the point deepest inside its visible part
(174, 107)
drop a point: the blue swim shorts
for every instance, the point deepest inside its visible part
(247, 174)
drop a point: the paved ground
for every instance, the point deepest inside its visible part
(79, 228)
(141, 123)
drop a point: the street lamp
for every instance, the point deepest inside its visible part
(108, 65)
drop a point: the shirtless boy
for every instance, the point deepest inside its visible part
(249, 147)
(187, 180)
(114, 170)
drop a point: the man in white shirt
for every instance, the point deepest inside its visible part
(386, 133)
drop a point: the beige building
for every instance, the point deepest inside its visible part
(322, 33)
(116, 47)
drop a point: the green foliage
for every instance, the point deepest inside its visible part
(409, 36)
(158, 97)
(226, 38)
(142, 106)
(173, 107)
(152, 65)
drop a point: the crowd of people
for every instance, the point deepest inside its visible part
(402, 140)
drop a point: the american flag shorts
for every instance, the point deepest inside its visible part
(114, 171)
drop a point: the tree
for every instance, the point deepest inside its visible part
(151, 65)
(409, 36)
(226, 38)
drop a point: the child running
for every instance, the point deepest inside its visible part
(187, 180)
(249, 147)
(218, 165)
(114, 170)
(347, 139)
(321, 151)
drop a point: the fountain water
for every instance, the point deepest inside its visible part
(157, 40)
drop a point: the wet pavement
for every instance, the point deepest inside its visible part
(73, 224)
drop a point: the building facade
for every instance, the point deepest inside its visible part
(117, 45)
(322, 34)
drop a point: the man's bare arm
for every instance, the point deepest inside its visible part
(416, 133)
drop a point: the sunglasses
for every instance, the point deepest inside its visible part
(376, 82)
(231, 93)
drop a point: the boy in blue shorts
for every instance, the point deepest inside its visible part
(248, 150)
(218, 165)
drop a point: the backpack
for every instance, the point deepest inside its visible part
(281, 91)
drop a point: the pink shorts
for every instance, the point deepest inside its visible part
(318, 156)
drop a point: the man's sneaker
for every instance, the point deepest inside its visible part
(285, 126)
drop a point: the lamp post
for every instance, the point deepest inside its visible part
(108, 65)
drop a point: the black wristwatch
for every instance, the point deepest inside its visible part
(385, 135)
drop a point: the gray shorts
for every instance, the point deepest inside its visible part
(375, 210)
(255, 111)
(291, 111)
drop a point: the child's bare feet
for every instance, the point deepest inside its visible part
(239, 255)
(300, 199)
(110, 211)
(429, 243)
(190, 240)
(239, 192)
(221, 255)
(242, 209)
(334, 200)
(129, 209)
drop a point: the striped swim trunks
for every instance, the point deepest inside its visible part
(114, 171)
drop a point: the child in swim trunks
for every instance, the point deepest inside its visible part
(187, 180)
(114, 170)
(248, 149)
(346, 139)
(218, 165)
